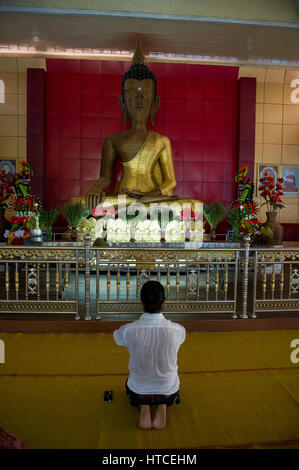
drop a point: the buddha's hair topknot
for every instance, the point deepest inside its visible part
(139, 72)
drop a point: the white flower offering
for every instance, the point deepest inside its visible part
(86, 226)
(175, 231)
(148, 231)
(118, 231)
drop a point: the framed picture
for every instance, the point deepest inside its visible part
(9, 166)
(290, 184)
(270, 169)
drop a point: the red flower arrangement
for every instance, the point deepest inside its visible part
(100, 211)
(16, 220)
(271, 192)
(18, 231)
(188, 214)
(247, 209)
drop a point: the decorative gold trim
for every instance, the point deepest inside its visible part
(277, 256)
(121, 255)
(37, 253)
(138, 57)
(277, 305)
(175, 307)
(36, 307)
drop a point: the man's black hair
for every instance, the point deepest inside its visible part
(152, 296)
(139, 72)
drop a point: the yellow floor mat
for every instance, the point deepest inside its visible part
(238, 389)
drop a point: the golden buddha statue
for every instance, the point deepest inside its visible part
(148, 174)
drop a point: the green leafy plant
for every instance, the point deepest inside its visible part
(48, 217)
(74, 213)
(214, 212)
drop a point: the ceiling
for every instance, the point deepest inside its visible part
(164, 37)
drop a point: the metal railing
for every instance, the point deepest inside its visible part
(39, 280)
(94, 283)
(275, 280)
(195, 281)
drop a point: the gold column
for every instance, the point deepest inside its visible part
(17, 281)
(281, 281)
(57, 281)
(168, 282)
(264, 285)
(273, 282)
(187, 281)
(117, 282)
(48, 282)
(177, 282)
(207, 282)
(128, 282)
(217, 282)
(7, 281)
(226, 282)
(137, 281)
(108, 283)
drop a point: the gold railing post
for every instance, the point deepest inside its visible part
(128, 282)
(77, 317)
(253, 315)
(7, 280)
(98, 315)
(87, 240)
(237, 264)
(246, 240)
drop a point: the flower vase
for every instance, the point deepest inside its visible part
(213, 235)
(275, 226)
(74, 234)
(49, 234)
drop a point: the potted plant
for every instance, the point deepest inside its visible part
(214, 212)
(74, 214)
(272, 192)
(47, 219)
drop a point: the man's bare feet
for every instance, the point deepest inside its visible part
(145, 419)
(159, 421)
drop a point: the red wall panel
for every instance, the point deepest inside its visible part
(36, 128)
(198, 112)
(246, 130)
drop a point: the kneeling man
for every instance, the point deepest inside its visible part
(153, 343)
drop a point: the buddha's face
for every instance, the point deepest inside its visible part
(139, 98)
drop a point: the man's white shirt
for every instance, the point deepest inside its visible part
(153, 343)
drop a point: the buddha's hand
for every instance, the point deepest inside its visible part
(140, 195)
(95, 195)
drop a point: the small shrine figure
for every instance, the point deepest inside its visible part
(245, 185)
(244, 209)
(23, 201)
(21, 205)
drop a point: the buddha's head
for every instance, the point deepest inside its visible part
(139, 98)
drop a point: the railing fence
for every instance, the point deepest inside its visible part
(96, 283)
